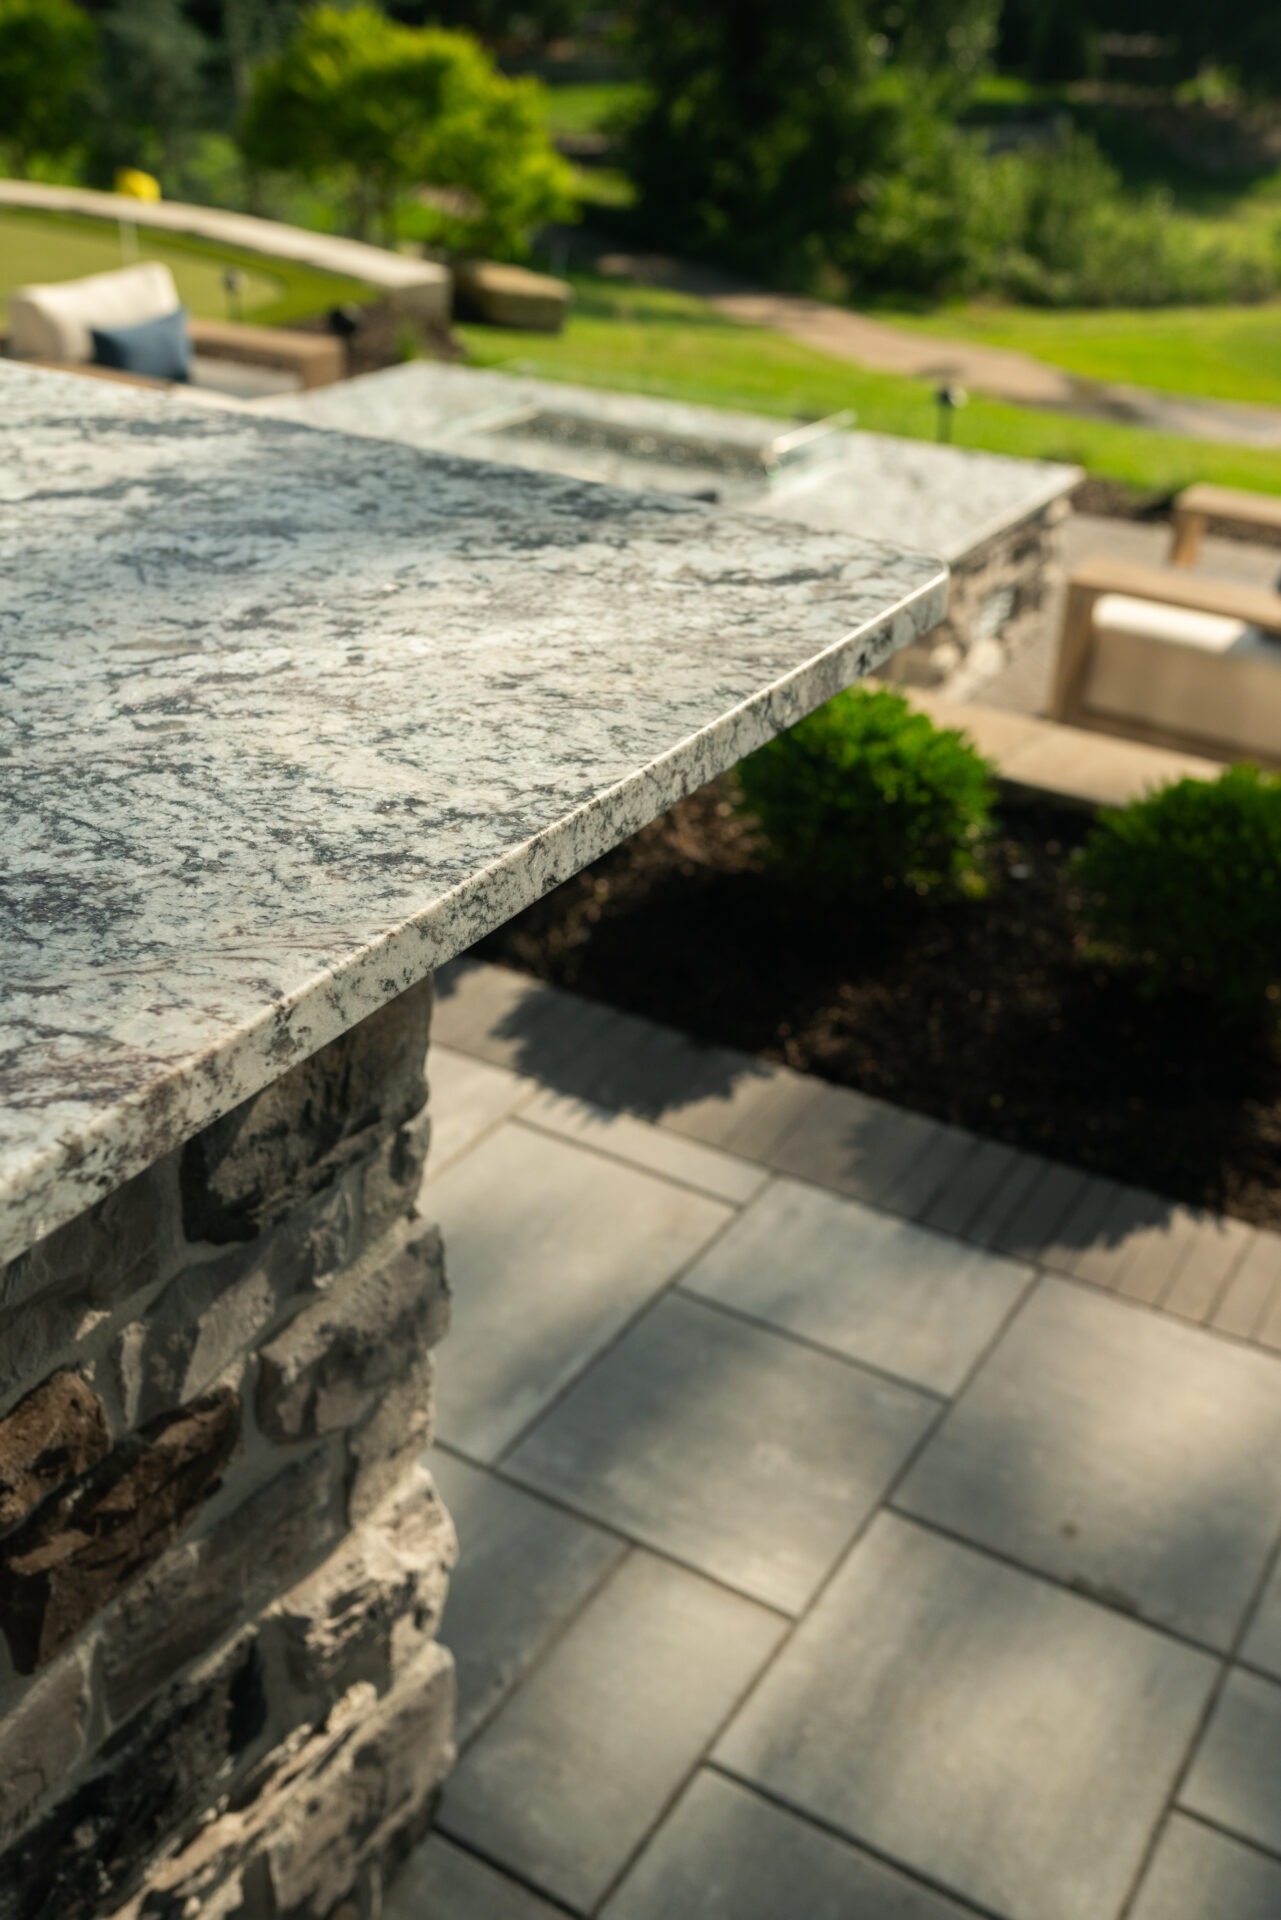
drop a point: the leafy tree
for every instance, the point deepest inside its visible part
(152, 82)
(47, 54)
(760, 128)
(382, 109)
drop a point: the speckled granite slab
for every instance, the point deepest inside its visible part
(944, 500)
(288, 718)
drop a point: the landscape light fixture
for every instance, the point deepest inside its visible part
(947, 400)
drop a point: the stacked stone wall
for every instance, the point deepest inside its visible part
(222, 1566)
(999, 598)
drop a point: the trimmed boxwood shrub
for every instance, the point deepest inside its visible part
(866, 797)
(1185, 885)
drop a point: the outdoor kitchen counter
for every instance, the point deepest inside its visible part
(290, 718)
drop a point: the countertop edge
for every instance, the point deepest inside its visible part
(86, 1165)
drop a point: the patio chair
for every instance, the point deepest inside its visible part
(53, 324)
(1158, 655)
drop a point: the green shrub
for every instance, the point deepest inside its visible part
(1186, 885)
(866, 797)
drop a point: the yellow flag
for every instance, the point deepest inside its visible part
(137, 185)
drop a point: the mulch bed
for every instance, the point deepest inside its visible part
(985, 1014)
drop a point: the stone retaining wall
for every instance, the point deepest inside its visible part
(221, 1565)
(999, 597)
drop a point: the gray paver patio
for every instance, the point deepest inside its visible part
(685, 1345)
(524, 1570)
(1199, 1874)
(1236, 1776)
(1120, 1452)
(862, 1283)
(570, 1778)
(726, 1854)
(1010, 1740)
(739, 1453)
(543, 1280)
(442, 1882)
(1262, 1647)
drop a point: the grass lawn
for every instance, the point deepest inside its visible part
(1220, 353)
(588, 108)
(626, 336)
(41, 246)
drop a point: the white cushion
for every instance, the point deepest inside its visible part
(53, 322)
(1196, 674)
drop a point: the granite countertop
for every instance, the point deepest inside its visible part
(940, 499)
(289, 718)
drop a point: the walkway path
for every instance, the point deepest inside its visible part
(859, 1520)
(998, 371)
(424, 283)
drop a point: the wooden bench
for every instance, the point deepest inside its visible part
(1205, 679)
(1198, 505)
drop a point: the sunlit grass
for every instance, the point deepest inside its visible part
(626, 336)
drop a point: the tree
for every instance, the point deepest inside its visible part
(153, 82)
(381, 109)
(761, 126)
(47, 54)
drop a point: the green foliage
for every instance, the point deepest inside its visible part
(47, 54)
(1185, 885)
(1046, 224)
(151, 85)
(382, 109)
(759, 128)
(866, 797)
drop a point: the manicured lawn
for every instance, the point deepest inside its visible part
(627, 336)
(1220, 353)
(39, 246)
(590, 108)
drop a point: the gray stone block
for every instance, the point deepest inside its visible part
(543, 1281)
(1009, 1741)
(42, 1741)
(264, 1158)
(1198, 1874)
(524, 1569)
(745, 1455)
(1091, 1419)
(567, 1781)
(724, 1853)
(911, 1302)
(364, 1336)
(1235, 1779)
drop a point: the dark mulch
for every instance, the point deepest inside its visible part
(983, 1013)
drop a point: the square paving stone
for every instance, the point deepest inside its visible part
(914, 1303)
(550, 1250)
(578, 1766)
(657, 1149)
(468, 1097)
(524, 1568)
(1003, 1738)
(1198, 1874)
(1263, 1642)
(726, 1854)
(1134, 1457)
(1236, 1776)
(443, 1882)
(743, 1454)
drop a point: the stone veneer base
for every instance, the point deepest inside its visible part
(221, 1564)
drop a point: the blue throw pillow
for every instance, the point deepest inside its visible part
(161, 349)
